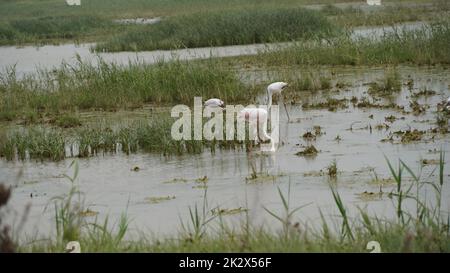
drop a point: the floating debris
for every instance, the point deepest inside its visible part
(156, 200)
(203, 179)
(409, 136)
(136, 169)
(410, 84)
(318, 130)
(429, 162)
(308, 151)
(331, 104)
(219, 211)
(30, 182)
(341, 85)
(88, 213)
(424, 92)
(382, 126)
(202, 186)
(260, 177)
(309, 136)
(370, 196)
(365, 103)
(390, 118)
(176, 180)
(383, 181)
(417, 108)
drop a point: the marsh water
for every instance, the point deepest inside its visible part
(110, 185)
(28, 59)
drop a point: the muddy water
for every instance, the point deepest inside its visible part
(110, 187)
(28, 58)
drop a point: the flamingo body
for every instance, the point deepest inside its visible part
(214, 103)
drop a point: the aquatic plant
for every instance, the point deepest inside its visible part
(332, 169)
(224, 28)
(111, 86)
(428, 45)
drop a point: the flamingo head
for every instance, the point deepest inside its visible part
(73, 247)
(276, 87)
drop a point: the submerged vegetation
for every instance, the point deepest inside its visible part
(309, 150)
(389, 84)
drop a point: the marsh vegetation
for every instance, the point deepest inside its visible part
(358, 102)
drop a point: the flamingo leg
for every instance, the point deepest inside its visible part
(285, 108)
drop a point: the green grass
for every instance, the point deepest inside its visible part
(33, 143)
(386, 15)
(10, 9)
(424, 229)
(52, 21)
(26, 30)
(28, 21)
(67, 121)
(429, 45)
(154, 136)
(224, 28)
(111, 87)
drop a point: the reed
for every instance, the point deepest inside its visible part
(428, 45)
(110, 87)
(224, 28)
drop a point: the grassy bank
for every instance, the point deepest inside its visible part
(429, 45)
(111, 87)
(136, 8)
(424, 229)
(386, 15)
(224, 28)
(36, 22)
(53, 143)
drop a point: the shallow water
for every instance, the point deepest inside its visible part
(28, 59)
(111, 188)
